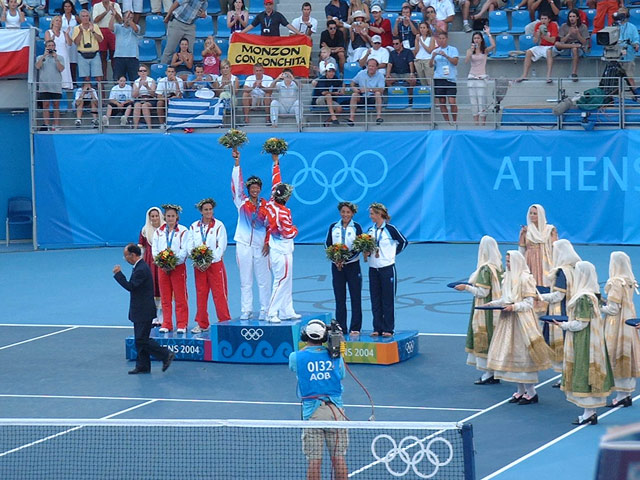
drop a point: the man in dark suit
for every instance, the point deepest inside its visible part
(142, 310)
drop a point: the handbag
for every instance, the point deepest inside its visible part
(88, 55)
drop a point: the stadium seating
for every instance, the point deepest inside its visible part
(591, 16)
(204, 27)
(146, 7)
(256, 7)
(391, 17)
(223, 44)
(394, 5)
(45, 24)
(29, 22)
(158, 70)
(421, 98)
(213, 8)
(634, 17)
(525, 42)
(498, 21)
(596, 50)
(147, 50)
(155, 27)
(504, 44)
(55, 7)
(351, 69)
(198, 47)
(222, 28)
(519, 20)
(398, 98)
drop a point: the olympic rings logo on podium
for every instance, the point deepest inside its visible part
(412, 462)
(330, 181)
(252, 333)
(409, 346)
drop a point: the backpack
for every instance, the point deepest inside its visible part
(593, 99)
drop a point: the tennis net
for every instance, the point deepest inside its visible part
(232, 449)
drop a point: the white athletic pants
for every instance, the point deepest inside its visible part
(281, 303)
(251, 261)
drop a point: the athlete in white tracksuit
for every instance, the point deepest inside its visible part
(252, 247)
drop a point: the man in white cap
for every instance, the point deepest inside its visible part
(376, 51)
(380, 26)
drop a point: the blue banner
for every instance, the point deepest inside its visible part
(438, 186)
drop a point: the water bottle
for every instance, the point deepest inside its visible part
(533, 73)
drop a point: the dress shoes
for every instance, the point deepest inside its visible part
(137, 370)
(168, 361)
(625, 402)
(526, 401)
(515, 398)
(488, 381)
(558, 384)
(593, 420)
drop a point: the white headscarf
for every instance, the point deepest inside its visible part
(620, 267)
(564, 256)
(585, 282)
(148, 229)
(511, 291)
(488, 254)
(540, 233)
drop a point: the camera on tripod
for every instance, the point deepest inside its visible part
(335, 339)
(609, 37)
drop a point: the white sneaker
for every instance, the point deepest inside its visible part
(245, 316)
(156, 322)
(263, 315)
(274, 319)
(182, 331)
(163, 330)
(123, 121)
(105, 121)
(295, 316)
(467, 28)
(197, 329)
(78, 122)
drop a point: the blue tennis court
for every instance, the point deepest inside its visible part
(62, 347)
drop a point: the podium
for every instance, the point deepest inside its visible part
(262, 342)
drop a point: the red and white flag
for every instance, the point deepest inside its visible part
(14, 52)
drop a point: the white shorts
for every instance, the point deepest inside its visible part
(134, 6)
(539, 52)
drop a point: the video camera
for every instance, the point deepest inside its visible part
(609, 38)
(335, 340)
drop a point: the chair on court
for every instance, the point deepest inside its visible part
(19, 212)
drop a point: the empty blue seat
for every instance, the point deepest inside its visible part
(563, 16)
(39, 47)
(504, 44)
(498, 21)
(416, 17)
(351, 69)
(596, 50)
(634, 17)
(255, 7)
(197, 48)
(55, 7)
(394, 5)
(155, 27)
(398, 98)
(204, 27)
(213, 8)
(158, 70)
(222, 28)
(19, 212)
(147, 50)
(421, 98)
(525, 42)
(45, 24)
(391, 17)
(223, 45)
(146, 7)
(28, 23)
(591, 16)
(519, 20)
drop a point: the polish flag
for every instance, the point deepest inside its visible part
(14, 52)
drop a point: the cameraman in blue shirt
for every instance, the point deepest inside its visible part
(320, 388)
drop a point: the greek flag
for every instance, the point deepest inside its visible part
(194, 112)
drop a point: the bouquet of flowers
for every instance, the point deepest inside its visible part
(338, 253)
(166, 260)
(275, 146)
(233, 139)
(202, 256)
(365, 244)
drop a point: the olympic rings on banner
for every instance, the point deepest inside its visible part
(252, 333)
(411, 462)
(331, 180)
(409, 346)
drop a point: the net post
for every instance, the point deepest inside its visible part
(469, 451)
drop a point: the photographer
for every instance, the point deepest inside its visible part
(405, 28)
(320, 388)
(50, 65)
(630, 41)
(87, 36)
(287, 102)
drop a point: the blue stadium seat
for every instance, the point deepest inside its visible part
(416, 17)
(45, 24)
(504, 44)
(591, 15)
(158, 70)
(204, 27)
(563, 16)
(519, 20)
(255, 7)
(391, 17)
(223, 44)
(634, 17)
(147, 50)
(398, 98)
(525, 42)
(351, 69)
(421, 98)
(155, 27)
(213, 8)
(55, 7)
(222, 28)
(39, 47)
(498, 21)
(596, 50)
(146, 7)
(394, 5)
(197, 48)
(29, 22)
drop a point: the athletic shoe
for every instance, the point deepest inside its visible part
(263, 315)
(274, 319)
(78, 122)
(123, 121)
(94, 122)
(197, 329)
(295, 316)
(163, 330)
(467, 28)
(182, 331)
(245, 316)
(105, 121)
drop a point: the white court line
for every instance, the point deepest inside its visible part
(69, 430)
(240, 402)
(61, 326)
(547, 445)
(442, 334)
(37, 338)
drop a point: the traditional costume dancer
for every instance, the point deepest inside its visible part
(153, 220)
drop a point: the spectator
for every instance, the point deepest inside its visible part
(144, 94)
(168, 87)
(444, 59)
(135, 7)
(87, 37)
(34, 8)
(630, 39)
(425, 44)
(326, 89)
(120, 102)
(288, 101)
(359, 34)
(604, 9)
(238, 18)
(435, 25)
(199, 85)
(12, 16)
(125, 58)
(62, 41)
(549, 7)
(306, 24)
(158, 6)
(180, 20)
(367, 83)
(573, 35)
(338, 11)
(545, 35)
(256, 92)
(102, 13)
(69, 21)
(325, 60)
(50, 66)
(358, 6)
(226, 6)
(227, 84)
(477, 55)
(405, 28)
(377, 52)
(400, 67)
(380, 26)
(481, 8)
(211, 56)
(270, 22)
(334, 41)
(86, 95)
(182, 60)
(444, 11)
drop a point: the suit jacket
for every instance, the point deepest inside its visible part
(142, 307)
